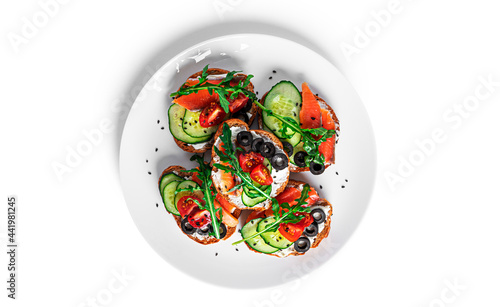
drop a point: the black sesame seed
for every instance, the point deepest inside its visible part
(162, 128)
(185, 123)
(156, 149)
(337, 173)
(189, 124)
(346, 180)
(274, 71)
(147, 161)
(297, 104)
(254, 244)
(270, 78)
(294, 114)
(237, 250)
(195, 121)
(343, 186)
(158, 122)
(313, 118)
(301, 105)
(216, 254)
(156, 204)
(204, 131)
(257, 93)
(149, 173)
(321, 187)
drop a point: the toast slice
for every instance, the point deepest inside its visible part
(202, 239)
(322, 103)
(202, 147)
(324, 227)
(280, 178)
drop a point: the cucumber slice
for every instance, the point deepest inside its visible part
(267, 164)
(191, 125)
(184, 185)
(168, 195)
(166, 179)
(256, 243)
(294, 140)
(273, 238)
(252, 201)
(283, 99)
(175, 120)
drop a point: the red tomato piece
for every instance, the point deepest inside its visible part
(291, 232)
(198, 218)
(237, 103)
(186, 204)
(249, 160)
(212, 115)
(261, 175)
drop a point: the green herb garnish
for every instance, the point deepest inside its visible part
(312, 138)
(281, 216)
(230, 156)
(224, 89)
(204, 174)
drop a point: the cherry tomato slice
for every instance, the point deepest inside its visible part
(198, 218)
(305, 221)
(291, 232)
(237, 103)
(249, 160)
(186, 204)
(261, 175)
(212, 115)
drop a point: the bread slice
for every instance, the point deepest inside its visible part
(235, 198)
(207, 145)
(178, 170)
(319, 237)
(294, 168)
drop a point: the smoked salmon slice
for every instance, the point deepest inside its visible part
(310, 113)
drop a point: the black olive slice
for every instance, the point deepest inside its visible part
(279, 161)
(318, 215)
(300, 158)
(288, 148)
(241, 116)
(311, 230)
(205, 230)
(316, 168)
(244, 138)
(256, 144)
(302, 245)
(267, 149)
(247, 107)
(186, 227)
(222, 231)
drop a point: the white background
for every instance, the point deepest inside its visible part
(84, 65)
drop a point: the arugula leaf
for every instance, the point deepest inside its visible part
(312, 138)
(204, 172)
(282, 217)
(229, 156)
(224, 89)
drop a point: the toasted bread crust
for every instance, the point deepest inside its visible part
(238, 123)
(294, 168)
(177, 169)
(253, 111)
(323, 234)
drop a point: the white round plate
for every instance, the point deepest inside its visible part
(147, 149)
